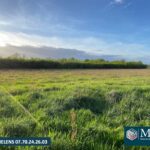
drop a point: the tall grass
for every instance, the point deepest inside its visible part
(77, 110)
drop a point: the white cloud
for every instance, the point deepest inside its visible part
(119, 1)
(128, 5)
(89, 44)
(115, 2)
(4, 23)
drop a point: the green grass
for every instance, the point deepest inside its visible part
(78, 109)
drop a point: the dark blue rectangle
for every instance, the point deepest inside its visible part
(137, 136)
(33, 141)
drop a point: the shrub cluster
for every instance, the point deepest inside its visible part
(36, 63)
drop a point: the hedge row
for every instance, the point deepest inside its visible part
(22, 63)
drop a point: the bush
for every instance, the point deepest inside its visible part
(19, 129)
(34, 63)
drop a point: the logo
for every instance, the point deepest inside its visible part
(137, 136)
(131, 134)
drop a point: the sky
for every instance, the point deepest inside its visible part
(97, 27)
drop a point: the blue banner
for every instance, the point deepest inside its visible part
(137, 136)
(33, 141)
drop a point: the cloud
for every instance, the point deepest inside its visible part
(118, 1)
(4, 23)
(128, 5)
(43, 52)
(57, 53)
(92, 45)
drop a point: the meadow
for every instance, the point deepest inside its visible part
(77, 109)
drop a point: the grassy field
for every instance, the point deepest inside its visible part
(78, 109)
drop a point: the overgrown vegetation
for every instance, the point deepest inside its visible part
(36, 63)
(78, 110)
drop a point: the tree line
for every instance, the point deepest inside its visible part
(71, 63)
